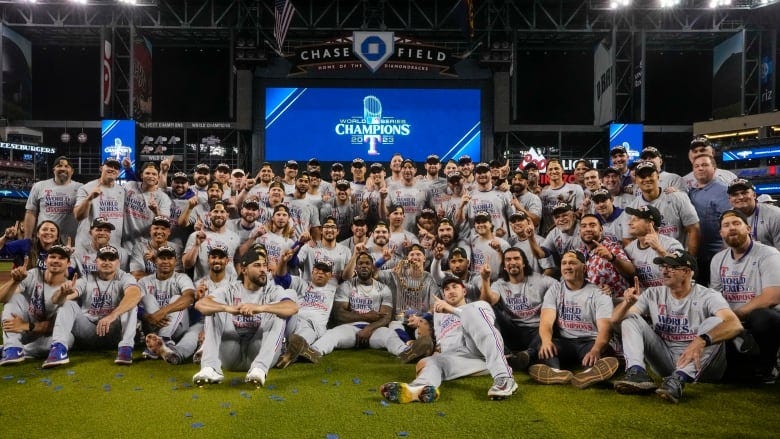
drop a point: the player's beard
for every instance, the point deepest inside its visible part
(736, 240)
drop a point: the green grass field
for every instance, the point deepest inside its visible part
(92, 397)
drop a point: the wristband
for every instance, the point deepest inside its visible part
(31, 328)
(706, 338)
(379, 262)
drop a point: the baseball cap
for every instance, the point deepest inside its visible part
(324, 265)
(313, 162)
(482, 167)
(161, 220)
(647, 212)
(112, 163)
(166, 250)
(277, 184)
(620, 149)
(459, 251)
(765, 198)
(218, 248)
(108, 252)
(445, 220)
(377, 168)
(60, 250)
(237, 171)
(739, 184)
(699, 141)
(342, 184)
(315, 173)
(517, 216)
(337, 167)
(600, 195)
(102, 222)
(359, 220)
(428, 212)
(677, 258)
(180, 176)
(250, 202)
(464, 160)
(481, 216)
(611, 170)
(410, 161)
(454, 176)
(577, 254)
(292, 164)
(432, 159)
(223, 167)
(61, 159)
(562, 207)
(282, 207)
(414, 247)
(734, 212)
(650, 151)
(452, 280)
(643, 169)
(357, 162)
(254, 254)
(521, 172)
(204, 168)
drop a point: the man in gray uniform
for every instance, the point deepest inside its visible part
(103, 197)
(748, 274)
(245, 324)
(53, 200)
(105, 316)
(643, 225)
(684, 341)
(469, 344)
(764, 219)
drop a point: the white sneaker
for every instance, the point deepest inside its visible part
(255, 376)
(207, 375)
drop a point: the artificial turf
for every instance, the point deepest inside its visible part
(339, 398)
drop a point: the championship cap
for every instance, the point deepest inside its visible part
(677, 258)
(611, 170)
(562, 207)
(460, 252)
(428, 212)
(517, 216)
(359, 220)
(464, 160)
(650, 151)
(292, 164)
(313, 162)
(481, 216)
(601, 194)
(432, 159)
(620, 149)
(251, 202)
(161, 220)
(60, 250)
(218, 248)
(237, 171)
(108, 252)
(700, 141)
(577, 254)
(342, 184)
(180, 176)
(102, 221)
(357, 162)
(223, 167)
(254, 254)
(647, 212)
(739, 184)
(451, 280)
(324, 265)
(166, 250)
(454, 176)
(203, 168)
(734, 212)
(643, 169)
(376, 168)
(482, 167)
(337, 167)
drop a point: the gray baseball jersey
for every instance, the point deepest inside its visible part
(567, 193)
(99, 297)
(138, 215)
(235, 294)
(649, 273)
(314, 303)
(482, 253)
(721, 175)
(37, 293)
(677, 211)
(765, 224)
(227, 238)
(54, 202)
(524, 300)
(577, 312)
(742, 280)
(559, 242)
(138, 263)
(538, 265)
(303, 216)
(338, 256)
(110, 205)
(413, 198)
(84, 258)
(495, 202)
(411, 295)
(275, 244)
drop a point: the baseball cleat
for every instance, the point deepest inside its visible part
(57, 355)
(635, 381)
(295, 345)
(255, 376)
(602, 370)
(420, 348)
(671, 389)
(502, 388)
(403, 393)
(154, 344)
(124, 356)
(207, 375)
(545, 374)
(12, 356)
(519, 361)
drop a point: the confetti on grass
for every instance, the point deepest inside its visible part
(8, 377)
(236, 381)
(368, 413)
(442, 414)
(232, 413)
(46, 381)
(195, 396)
(403, 434)
(246, 395)
(225, 405)
(106, 387)
(294, 391)
(188, 415)
(71, 372)
(355, 380)
(57, 388)
(119, 375)
(331, 436)
(270, 386)
(384, 403)
(21, 381)
(198, 425)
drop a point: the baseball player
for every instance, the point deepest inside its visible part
(167, 296)
(216, 279)
(642, 223)
(763, 218)
(28, 310)
(684, 340)
(197, 249)
(102, 197)
(142, 257)
(53, 200)
(469, 344)
(104, 314)
(245, 324)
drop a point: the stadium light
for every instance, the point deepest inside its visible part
(670, 3)
(615, 4)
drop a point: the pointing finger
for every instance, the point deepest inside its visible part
(636, 283)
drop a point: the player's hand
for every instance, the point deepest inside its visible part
(95, 193)
(500, 232)
(104, 325)
(464, 200)
(15, 324)
(438, 251)
(631, 295)
(304, 238)
(485, 271)
(286, 256)
(605, 290)
(383, 192)
(692, 354)
(126, 163)
(603, 252)
(165, 164)
(414, 321)
(202, 290)
(441, 306)
(547, 350)
(193, 201)
(495, 245)
(13, 231)
(590, 358)
(156, 319)
(362, 337)
(19, 273)
(65, 290)
(249, 309)
(198, 227)
(670, 189)
(651, 240)
(152, 205)
(387, 252)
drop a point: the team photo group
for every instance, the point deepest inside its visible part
(630, 276)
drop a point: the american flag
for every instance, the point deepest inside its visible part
(283, 14)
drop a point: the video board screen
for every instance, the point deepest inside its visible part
(339, 124)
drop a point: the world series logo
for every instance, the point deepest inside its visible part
(371, 127)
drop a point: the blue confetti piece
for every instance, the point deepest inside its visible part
(368, 412)
(119, 375)
(442, 414)
(403, 434)
(355, 380)
(328, 370)
(188, 415)
(71, 372)
(270, 386)
(276, 398)
(21, 381)
(324, 381)
(225, 405)
(337, 383)
(294, 391)
(331, 436)
(175, 388)
(198, 425)
(384, 403)
(46, 381)
(106, 387)
(172, 379)
(246, 395)
(57, 388)
(194, 396)
(8, 377)
(232, 413)
(186, 385)
(236, 381)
